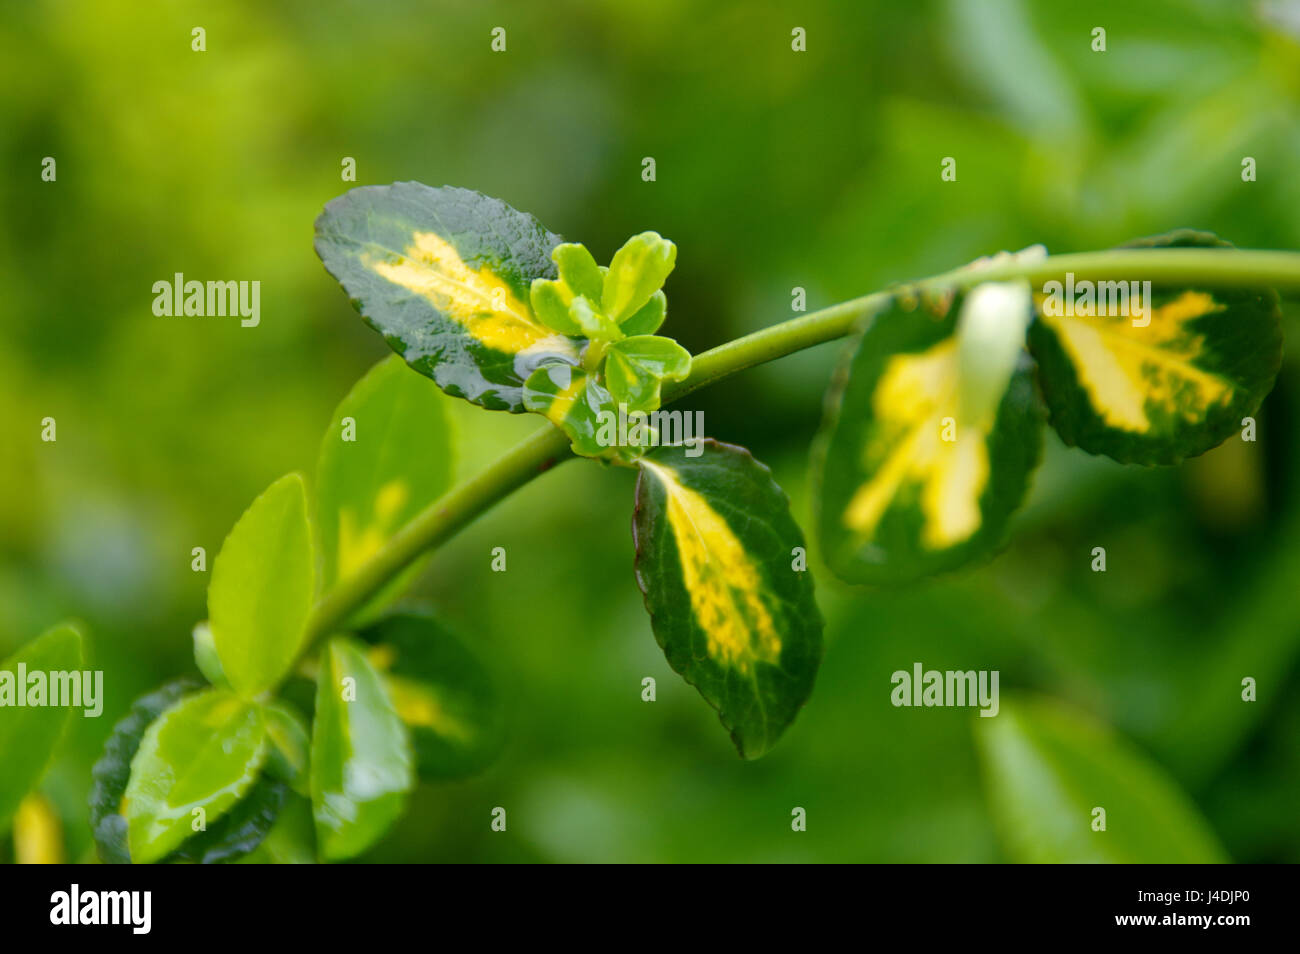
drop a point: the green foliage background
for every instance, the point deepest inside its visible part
(775, 169)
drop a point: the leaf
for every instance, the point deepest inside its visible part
(204, 752)
(240, 830)
(444, 275)
(572, 400)
(648, 320)
(360, 755)
(1048, 768)
(715, 559)
(205, 656)
(397, 461)
(113, 770)
(263, 585)
(1172, 386)
(932, 433)
(636, 272)
(291, 840)
(578, 270)
(636, 367)
(289, 759)
(441, 691)
(29, 734)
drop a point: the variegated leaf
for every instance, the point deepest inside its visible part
(445, 275)
(1152, 375)
(729, 598)
(932, 433)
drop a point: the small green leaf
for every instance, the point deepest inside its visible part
(113, 770)
(1161, 382)
(441, 691)
(578, 270)
(205, 656)
(734, 613)
(551, 300)
(290, 757)
(29, 733)
(386, 455)
(637, 271)
(1048, 769)
(592, 323)
(932, 433)
(360, 754)
(636, 367)
(651, 316)
(203, 753)
(444, 275)
(263, 586)
(572, 400)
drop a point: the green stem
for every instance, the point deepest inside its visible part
(549, 446)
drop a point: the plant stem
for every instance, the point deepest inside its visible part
(549, 446)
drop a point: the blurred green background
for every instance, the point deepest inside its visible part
(775, 169)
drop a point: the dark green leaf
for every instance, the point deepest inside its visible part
(444, 275)
(715, 558)
(239, 831)
(932, 433)
(1155, 384)
(441, 691)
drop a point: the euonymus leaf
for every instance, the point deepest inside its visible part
(444, 275)
(728, 600)
(386, 455)
(1049, 770)
(1154, 375)
(360, 754)
(203, 753)
(289, 759)
(636, 367)
(240, 830)
(291, 840)
(932, 432)
(263, 585)
(205, 656)
(113, 770)
(573, 400)
(649, 318)
(636, 272)
(579, 271)
(30, 724)
(441, 691)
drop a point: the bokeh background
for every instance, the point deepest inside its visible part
(775, 169)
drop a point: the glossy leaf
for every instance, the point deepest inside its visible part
(203, 753)
(360, 756)
(289, 759)
(1048, 768)
(573, 400)
(932, 433)
(441, 691)
(240, 830)
(636, 272)
(715, 559)
(263, 586)
(113, 770)
(636, 367)
(29, 733)
(444, 275)
(1160, 382)
(396, 459)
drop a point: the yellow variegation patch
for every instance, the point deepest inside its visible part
(1125, 369)
(419, 706)
(915, 395)
(357, 545)
(38, 835)
(478, 300)
(724, 585)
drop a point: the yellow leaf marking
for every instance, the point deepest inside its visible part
(479, 300)
(356, 545)
(1123, 368)
(419, 705)
(724, 585)
(915, 393)
(38, 835)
